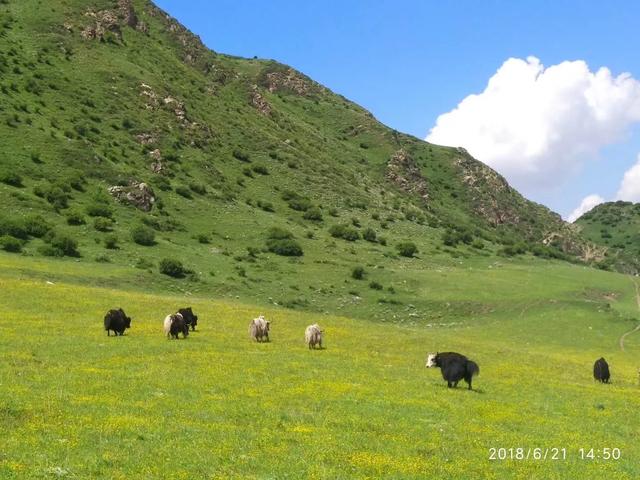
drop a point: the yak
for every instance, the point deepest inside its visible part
(175, 324)
(601, 371)
(313, 336)
(190, 318)
(259, 329)
(454, 367)
(117, 321)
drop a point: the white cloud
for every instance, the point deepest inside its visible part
(630, 186)
(538, 126)
(587, 204)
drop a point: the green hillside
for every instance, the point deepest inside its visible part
(615, 226)
(126, 141)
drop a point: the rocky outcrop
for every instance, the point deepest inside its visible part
(111, 21)
(137, 194)
(489, 192)
(404, 172)
(259, 102)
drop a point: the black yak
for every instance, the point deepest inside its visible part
(117, 321)
(454, 367)
(174, 325)
(190, 318)
(601, 370)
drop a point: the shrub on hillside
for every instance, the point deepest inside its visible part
(57, 197)
(10, 244)
(358, 273)
(143, 235)
(75, 218)
(11, 178)
(282, 242)
(344, 232)
(266, 206)
(407, 249)
(172, 268)
(184, 191)
(369, 234)
(99, 209)
(111, 242)
(242, 156)
(375, 285)
(36, 226)
(13, 228)
(260, 169)
(198, 188)
(59, 245)
(103, 224)
(314, 214)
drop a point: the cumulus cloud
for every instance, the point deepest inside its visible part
(538, 126)
(630, 186)
(587, 204)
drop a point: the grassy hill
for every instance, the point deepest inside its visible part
(102, 96)
(615, 226)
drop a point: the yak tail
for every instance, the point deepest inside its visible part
(473, 368)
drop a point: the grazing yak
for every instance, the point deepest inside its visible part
(454, 367)
(601, 370)
(313, 336)
(117, 321)
(190, 318)
(259, 329)
(175, 324)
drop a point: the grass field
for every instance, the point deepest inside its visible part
(77, 404)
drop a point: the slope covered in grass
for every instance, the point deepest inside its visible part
(615, 225)
(79, 404)
(100, 96)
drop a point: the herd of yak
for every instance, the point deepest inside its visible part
(454, 366)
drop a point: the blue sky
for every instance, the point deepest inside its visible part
(409, 62)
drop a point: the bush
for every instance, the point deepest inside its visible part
(281, 242)
(369, 235)
(314, 214)
(382, 240)
(242, 156)
(344, 232)
(111, 242)
(198, 188)
(99, 209)
(301, 204)
(59, 246)
(143, 236)
(375, 285)
(36, 226)
(260, 169)
(10, 244)
(11, 178)
(407, 249)
(172, 268)
(285, 247)
(75, 218)
(184, 191)
(102, 224)
(278, 233)
(266, 206)
(57, 198)
(358, 273)
(13, 228)
(203, 238)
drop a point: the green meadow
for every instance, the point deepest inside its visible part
(78, 404)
